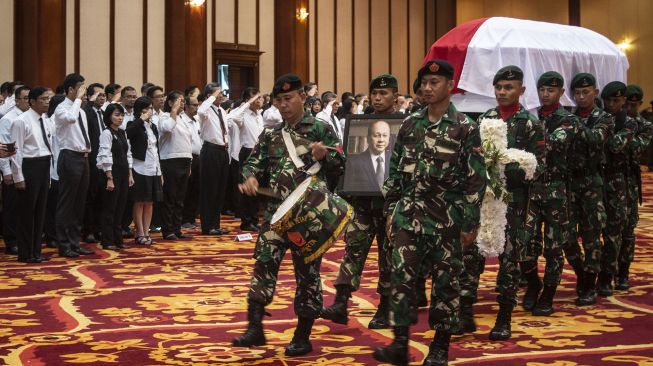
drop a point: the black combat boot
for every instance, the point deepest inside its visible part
(254, 334)
(621, 281)
(467, 323)
(577, 265)
(604, 284)
(301, 344)
(380, 319)
(438, 350)
(589, 297)
(501, 330)
(397, 352)
(544, 305)
(337, 312)
(533, 289)
(420, 287)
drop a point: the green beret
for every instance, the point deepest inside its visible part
(551, 78)
(287, 83)
(583, 80)
(384, 81)
(634, 93)
(416, 85)
(511, 72)
(436, 67)
(614, 89)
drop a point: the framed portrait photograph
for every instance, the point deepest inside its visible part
(368, 141)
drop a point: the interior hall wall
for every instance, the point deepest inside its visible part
(7, 40)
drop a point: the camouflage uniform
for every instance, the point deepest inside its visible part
(270, 157)
(524, 133)
(433, 193)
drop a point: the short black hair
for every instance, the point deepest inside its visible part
(71, 80)
(112, 107)
(54, 103)
(308, 86)
(346, 95)
(36, 92)
(327, 96)
(125, 90)
(209, 88)
(111, 88)
(146, 87)
(20, 90)
(152, 89)
(15, 84)
(189, 89)
(89, 91)
(248, 93)
(172, 97)
(59, 90)
(359, 96)
(140, 104)
(4, 88)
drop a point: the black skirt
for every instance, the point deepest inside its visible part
(146, 188)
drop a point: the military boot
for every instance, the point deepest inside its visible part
(397, 352)
(337, 312)
(621, 281)
(604, 284)
(301, 344)
(438, 350)
(544, 305)
(589, 297)
(420, 287)
(533, 289)
(501, 330)
(577, 265)
(254, 334)
(380, 319)
(467, 323)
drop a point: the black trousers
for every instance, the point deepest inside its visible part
(72, 168)
(50, 228)
(93, 208)
(9, 214)
(113, 206)
(214, 173)
(175, 181)
(31, 210)
(192, 199)
(248, 204)
(232, 201)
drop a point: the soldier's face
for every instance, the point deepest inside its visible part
(584, 97)
(508, 92)
(550, 95)
(383, 99)
(632, 107)
(291, 105)
(435, 88)
(614, 104)
(379, 137)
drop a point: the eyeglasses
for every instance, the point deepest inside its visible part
(44, 99)
(23, 98)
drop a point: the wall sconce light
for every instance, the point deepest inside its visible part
(625, 45)
(195, 3)
(301, 14)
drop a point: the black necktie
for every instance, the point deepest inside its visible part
(334, 121)
(81, 126)
(45, 136)
(222, 126)
(101, 120)
(380, 171)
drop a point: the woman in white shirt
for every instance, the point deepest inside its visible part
(115, 160)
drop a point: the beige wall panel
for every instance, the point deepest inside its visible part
(209, 42)
(344, 73)
(431, 32)
(417, 51)
(643, 48)
(247, 22)
(70, 37)
(324, 44)
(311, 39)
(7, 40)
(156, 43)
(554, 11)
(225, 15)
(467, 10)
(493, 8)
(399, 37)
(380, 37)
(361, 46)
(266, 45)
(94, 50)
(129, 43)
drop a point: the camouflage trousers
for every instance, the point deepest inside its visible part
(443, 252)
(515, 250)
(627, 251)
(473, 267)
(364, 227)
(617, 211)
(586, 219)
(272, 249)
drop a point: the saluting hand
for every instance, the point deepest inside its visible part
(81, 91)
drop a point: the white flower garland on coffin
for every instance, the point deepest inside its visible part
(492, 232)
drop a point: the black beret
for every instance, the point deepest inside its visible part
(634, 93)
(416, 85)
(511, 72)
(551, 78)
(287, 83)
(384, 81)
(436, 67)
(614, 89)
(583, 80)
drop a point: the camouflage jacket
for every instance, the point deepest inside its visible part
(616, 149)
(525, 132)
(437, 175)
(270, 157)
(641, 139)
(561, 126)
(586, 153)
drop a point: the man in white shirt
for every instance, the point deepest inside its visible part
(31, 173)
(112, 92)
(193, 192)
(272, 117)
(328, 113)
(155, 93)
(75, 146)
(127, 99)
(10, 101)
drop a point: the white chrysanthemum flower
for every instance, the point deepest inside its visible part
(496, 131)
(492, 232)
(527, 161)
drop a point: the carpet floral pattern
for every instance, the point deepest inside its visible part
(181, 303)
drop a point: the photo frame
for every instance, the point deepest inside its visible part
(361, 177)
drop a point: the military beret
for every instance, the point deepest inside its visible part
(436, 67)
(614, 89)
(416, 85)
(551, 78)
(287, 83)
(511, 72)
(634, 93)
(583, 80)
(384, 81)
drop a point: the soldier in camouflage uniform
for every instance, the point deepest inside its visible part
(433, 196)
(524, 133)
(637, 146)
(615, 172)
(549, 196)
(270, 157)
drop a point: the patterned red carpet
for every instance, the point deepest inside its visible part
(181, 303)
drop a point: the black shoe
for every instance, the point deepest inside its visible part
(337, 312)
(216, 232)
(467, 323)
(170, 236)
(501, 330)
(83, 251)
(12, 250)
(533, 289)
(420, 287)
(28, 260)
(52, 244)
(544, 305)
(380, 319)
(438, 350)
(181, 235)
(621, 280)
(254, 335)
(397, 352)
(69, 254)
(228, 213)
(155, 229)
(41, 259)
(589, 296)
(127, 233)
(109, 247)
(188, 225)
(604, 284)
(90, 239)
(301, 344)
(577, 265)
(248, 227)
(223, 231)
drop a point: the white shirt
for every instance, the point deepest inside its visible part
(129, 116)
(194, 127)
(150, 166)
(175, 137)
(55, 149)
(30, 142)
(156, 116)
(250, 124)
(210, 127)
(234, 145)
(69, 134)
(272, 117)
(5, 136)
(10, 102)
(104, 156)
(374, 157)
(331, 120)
